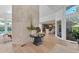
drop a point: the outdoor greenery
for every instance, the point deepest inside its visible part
(75, 30)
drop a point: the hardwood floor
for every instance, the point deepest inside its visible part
(6, 47)
(48, 43)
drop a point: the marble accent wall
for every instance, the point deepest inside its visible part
(22, 15)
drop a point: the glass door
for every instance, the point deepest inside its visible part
(72, 23)
(59, 32)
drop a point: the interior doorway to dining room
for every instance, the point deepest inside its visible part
(48, 27)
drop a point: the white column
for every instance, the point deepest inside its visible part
(55, 27)
(64, 29)
(63, 25)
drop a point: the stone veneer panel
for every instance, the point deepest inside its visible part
(22, 14)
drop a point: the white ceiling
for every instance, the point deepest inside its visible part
(46, 10)
(56, 7)
(5, 11)
(48, 22)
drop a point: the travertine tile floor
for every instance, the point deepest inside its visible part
(50, 45)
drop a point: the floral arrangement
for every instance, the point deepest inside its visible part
(41, 34)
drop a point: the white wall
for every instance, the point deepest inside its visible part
(60, 15)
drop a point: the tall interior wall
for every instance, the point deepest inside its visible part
(22, 16)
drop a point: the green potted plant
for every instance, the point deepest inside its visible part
(76, 33)
(37, 36)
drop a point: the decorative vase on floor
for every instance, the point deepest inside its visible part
(37, 38)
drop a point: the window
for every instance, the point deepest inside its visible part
(2, 26)
(72, 23)
(71, 10)
(9, 25)
(5, 26)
